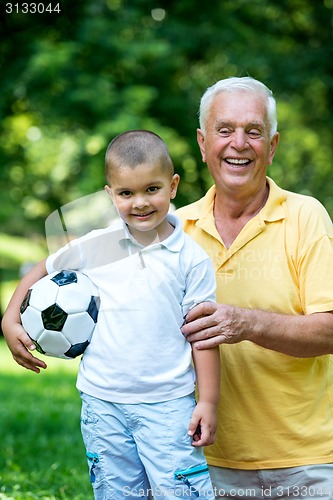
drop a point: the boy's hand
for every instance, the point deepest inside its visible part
(20, 344)
(203, 424)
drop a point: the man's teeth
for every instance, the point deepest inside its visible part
(236, 161)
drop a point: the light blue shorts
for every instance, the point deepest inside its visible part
(143, 450)
(308, 482)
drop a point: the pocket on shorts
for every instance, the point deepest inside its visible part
(93, 460)
(89, 420)
(188, 476)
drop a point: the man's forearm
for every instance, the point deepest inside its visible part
(299, 336)
(209, 324)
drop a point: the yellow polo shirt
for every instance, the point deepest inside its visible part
(275, 410)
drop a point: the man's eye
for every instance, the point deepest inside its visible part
(224, 131)
(254, 133)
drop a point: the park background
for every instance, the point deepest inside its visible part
(72, 80)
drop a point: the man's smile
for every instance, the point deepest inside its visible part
(238, 161)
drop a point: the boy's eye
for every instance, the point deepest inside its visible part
(125, 193)
(152, 189)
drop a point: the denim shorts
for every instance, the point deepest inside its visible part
(143, 450)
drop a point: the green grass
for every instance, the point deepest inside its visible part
(41, 452)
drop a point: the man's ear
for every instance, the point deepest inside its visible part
(274, 143)
(201, 142)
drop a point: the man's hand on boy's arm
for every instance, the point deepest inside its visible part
(203, 424)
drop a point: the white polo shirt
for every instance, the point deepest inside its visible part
(138, 353)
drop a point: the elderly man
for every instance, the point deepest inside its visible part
(273, 258)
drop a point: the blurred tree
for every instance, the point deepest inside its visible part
(73, 80)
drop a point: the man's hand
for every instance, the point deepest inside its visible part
(209, 324)
(303, 336)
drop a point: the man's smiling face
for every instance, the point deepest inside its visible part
(236, 144)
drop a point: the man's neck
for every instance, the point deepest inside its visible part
(232, 213)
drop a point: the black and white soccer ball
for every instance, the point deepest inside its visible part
(59, 313)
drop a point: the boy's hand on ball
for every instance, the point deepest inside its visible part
(20, 344)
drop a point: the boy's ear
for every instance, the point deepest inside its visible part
(174, 186)
(108, 191)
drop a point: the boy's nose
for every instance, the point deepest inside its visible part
(140, 202)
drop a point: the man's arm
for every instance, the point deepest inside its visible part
(209, 324)
(16, 337)
(203, 423)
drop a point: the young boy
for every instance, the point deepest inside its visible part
(142, 429)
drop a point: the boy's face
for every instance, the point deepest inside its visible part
(142, 195)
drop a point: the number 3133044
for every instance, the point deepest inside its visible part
(32, 8)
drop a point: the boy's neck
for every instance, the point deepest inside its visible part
(156, 235)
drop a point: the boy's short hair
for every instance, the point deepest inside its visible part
(136, 147)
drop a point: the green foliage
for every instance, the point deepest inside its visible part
(16, 251)
(42, 453)
(72, 81)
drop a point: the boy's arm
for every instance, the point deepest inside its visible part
(17, 339)
(203, 423)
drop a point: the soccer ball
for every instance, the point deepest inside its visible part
(59, 313)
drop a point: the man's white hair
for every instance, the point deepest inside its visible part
(234, 84)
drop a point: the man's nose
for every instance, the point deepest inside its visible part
(240, 139)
